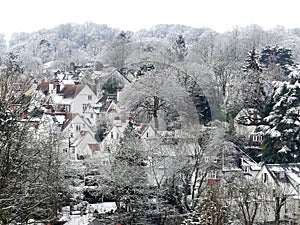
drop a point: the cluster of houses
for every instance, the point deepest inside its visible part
(79, 111)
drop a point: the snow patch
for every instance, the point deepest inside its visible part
(284, 149)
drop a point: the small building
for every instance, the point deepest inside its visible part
(283, 181)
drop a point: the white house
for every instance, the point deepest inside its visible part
(74, 98)
(94, 151)
(245, 124)
(74, 124)
(245, 121)
(283, 180)
(81, 143)
(116, 132)
(226, 161)
(91, 117)
(146, 131)
(91, 150)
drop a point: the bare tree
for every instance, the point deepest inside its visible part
(157, 94)
(29, 160)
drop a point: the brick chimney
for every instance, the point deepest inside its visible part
(118, 94)
(72, 67)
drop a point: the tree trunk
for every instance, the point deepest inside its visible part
(155, 111)
(279, 202)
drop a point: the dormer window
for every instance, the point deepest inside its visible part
(78, 128)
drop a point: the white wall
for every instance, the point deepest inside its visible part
(83, 98)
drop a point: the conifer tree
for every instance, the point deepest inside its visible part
(277, 56)
(282, 124)
(180, 48)
(254, 93)
(251, 62)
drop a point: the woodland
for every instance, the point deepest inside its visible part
(196, 74)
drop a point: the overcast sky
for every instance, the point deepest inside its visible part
(220, 15)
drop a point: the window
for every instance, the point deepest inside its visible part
(90, 97)
(257, 138)
(92, 115)
(264, 177)
(246, 169)
(212, 175)
(206, 159)
(84, 107)
(78, 128)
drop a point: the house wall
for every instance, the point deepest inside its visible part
(91, 117)
(76, 126)
(87, 152)
(84, 98)
(244, 130)
(88, 139)
(114, 133)
(267, 211)
(148, 133)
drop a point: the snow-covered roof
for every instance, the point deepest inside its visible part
(248, 116)
(60, 119)
(286, 176)
(68, 82)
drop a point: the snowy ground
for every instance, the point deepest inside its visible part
(78, 219)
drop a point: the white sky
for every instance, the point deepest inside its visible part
(220, 15)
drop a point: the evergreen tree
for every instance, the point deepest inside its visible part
(118, 51)
(253, 88)
(277, 56)
(251, 62)
(282, 123)
(180, 48)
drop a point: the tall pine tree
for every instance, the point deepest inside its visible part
(282, 123)
(253, 93)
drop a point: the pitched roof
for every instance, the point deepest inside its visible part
(230, 157)
(248, 116)
(68, 119)
(286, 176)
(143, 128)
(82, 135)
(94, 147)
(72, 90)
(44, 87)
